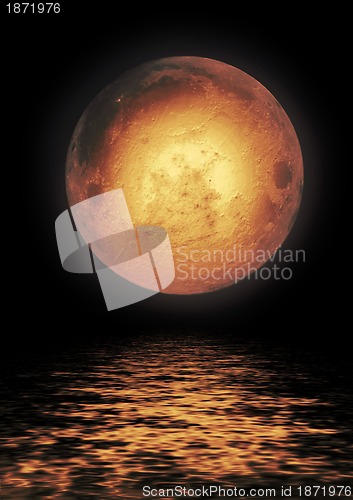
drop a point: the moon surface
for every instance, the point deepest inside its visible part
(201, 149)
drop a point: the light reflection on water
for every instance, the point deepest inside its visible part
(159, 410)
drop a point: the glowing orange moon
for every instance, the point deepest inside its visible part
(203, 150)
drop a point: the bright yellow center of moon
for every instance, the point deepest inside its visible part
(201, 149)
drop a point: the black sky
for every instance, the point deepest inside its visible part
(53, 67)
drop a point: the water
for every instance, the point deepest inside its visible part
(104, 420)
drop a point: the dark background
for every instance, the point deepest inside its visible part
(54, 65)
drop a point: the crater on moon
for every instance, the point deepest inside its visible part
(282, 174)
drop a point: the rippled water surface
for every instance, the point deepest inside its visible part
(159, 410)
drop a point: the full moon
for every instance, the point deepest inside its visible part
(201, 149)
